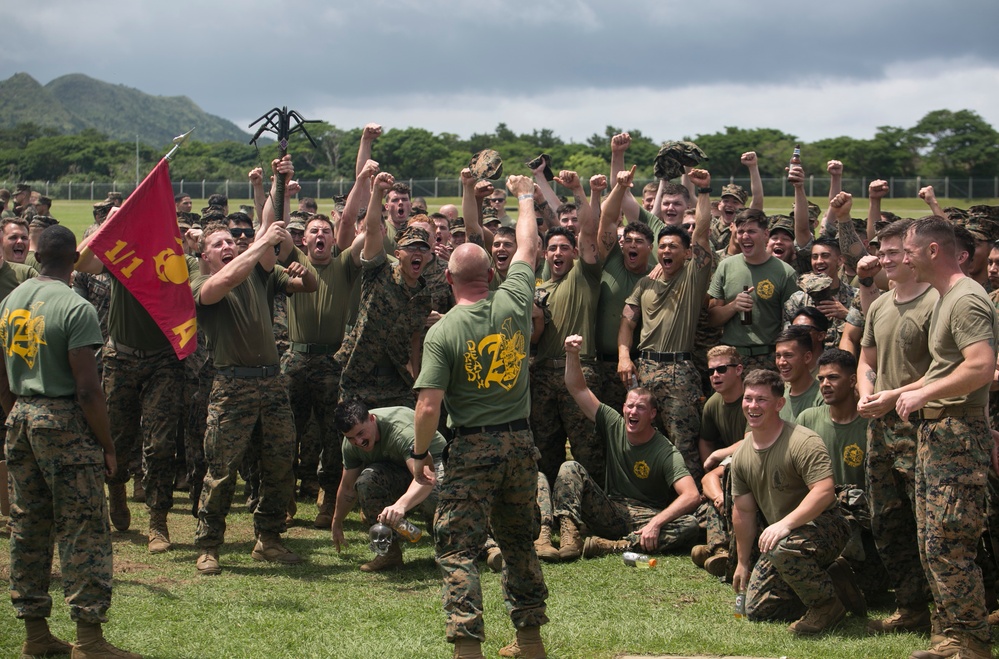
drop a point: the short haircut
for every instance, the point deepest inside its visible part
(210, 228)
(645, 393)
(400, 188)
(57, 247)
(673, 230)
(218, 200)
(177, 198)
(567, 207)
(19, 221)
(796, 334)
(845, 360)
(896, 229)
(349, 413)
(640, 227)
(44, 201)
(498, 191)
(828, 241)
(507, 232)
(818, 319)
(725, 351)
(747, 215)
(239, 217)
(763, 377)
(439, 216)
(652, 187)
(560, 231)
(964, 240)
(319, 217)
(309, 204)
(674, 190)
(933, 228)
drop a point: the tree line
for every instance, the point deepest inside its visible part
(943, 143)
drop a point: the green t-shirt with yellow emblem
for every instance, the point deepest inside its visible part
(846, 443)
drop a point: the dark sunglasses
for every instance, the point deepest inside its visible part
(721, 369)
(238, 233)
(494, 199)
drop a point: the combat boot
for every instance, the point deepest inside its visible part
(39, 641)
(543, 545)
(717, 563)
(964, 648)
(289, 517)
(390, 560)
(326, 503)
(494, 559)
(121, 517)
(903, 620)
(596, 546)
(527, 645)
(269, 548)
(208, 562)
(819, 618)
(138, 491)
(159, 536)
(570, 543)
(845, 583)
(91, 644)
(468, 648)
(699, 554)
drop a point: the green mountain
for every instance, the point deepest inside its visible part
(74, 102)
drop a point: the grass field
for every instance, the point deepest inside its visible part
(328, 608)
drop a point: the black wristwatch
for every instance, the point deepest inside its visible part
(705, 191)
(419, 456)
(866, 282)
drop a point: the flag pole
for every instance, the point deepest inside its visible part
(177, 141)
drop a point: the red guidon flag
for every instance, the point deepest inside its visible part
(141, 246)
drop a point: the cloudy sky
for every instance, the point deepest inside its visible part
(669, 68)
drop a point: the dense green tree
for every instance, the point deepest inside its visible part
(958, 143)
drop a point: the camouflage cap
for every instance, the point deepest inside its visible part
(673, 156)
(860, 225)
(737, 191)
(248, 209)
(486, 164)
(339, 202)
(782, 223)
(412, 236)
(957, 215)
(489, 215)
(101, 209)
(547, 159)
(115, 197)
(42, 222)
(813, 211)
(213, 214)
(296, 224)
(982, 227)
(22, 187)
(814, 285)
(458, 226)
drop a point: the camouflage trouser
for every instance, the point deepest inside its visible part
(490, 481)
(767, 362)
(145, 397)
(56, 479)
(197, 420)
(677, 388)
(792, 576)
(891, 482)
(578, 497)
(235, 406)
(612, 391)
(382, 390)
(544, 508)
(555, 416)
(952, 458)
(718, 528)
(381, 484)
(313, 383)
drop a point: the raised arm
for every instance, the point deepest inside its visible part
(849, 241)
(802, 229)
(347, 227)
(236, 271)
(598, 183)
(876, 191)
(256, 177)
(587, 238)
(620, 144)
(527, 227)
(474, 232)
(752, 163)
(702, 222)
(373, 243)
(927, 195)
(370, 133)
(575, 382)
(835, 169)
(281, 167)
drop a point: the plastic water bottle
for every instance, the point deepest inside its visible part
(408, 530)
(740, 605)
(634, 559)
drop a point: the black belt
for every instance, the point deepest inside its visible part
(956, 412)
(513, 426)
(136, 352)
(248, 371)
(666, 357)
(754, 351)
(385, 370)
(313, 348)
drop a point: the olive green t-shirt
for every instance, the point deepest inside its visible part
(795, 405)
(395, 440)
(128, 321)
(570, 306)
(645, 473)
(321, 317)
(964, 315)
(773, 280)
(722, 424)
(40, 322)
(846, 443)
(477, 354)
(239, 327)
(12, 275)
(900, 332)
(779, 475)
(616, 284)
(670, 308)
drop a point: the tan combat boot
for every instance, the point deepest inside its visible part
(596, 546)
(121, 517)
(494, 559)
(699, 554)
(468, 648)
(570, 543)
(528, 645)
(965, 648)
(91, 644)
(845, 583)
(390, 560)
(159, 535)
(269, 548)
(543, 545)
(819, 618)
(326, 503)
(903, 620)
(208, 562)
(717, 563)
(39, 641)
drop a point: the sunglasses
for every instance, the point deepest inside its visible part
(238, 233)
(722, 370)
(492, 199)
(416, 247)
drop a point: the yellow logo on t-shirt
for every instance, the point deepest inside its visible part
(25, 331)
(853, 455)
(765, 289)
(506, 350)
(641, 469)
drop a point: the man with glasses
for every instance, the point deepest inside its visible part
(497, 201)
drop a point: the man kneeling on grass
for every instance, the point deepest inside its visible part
(784, 471)
(649, 493)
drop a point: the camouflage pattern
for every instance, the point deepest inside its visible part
(952, 459)
(612, 391)
(544, 508)
(234, 406)
(313, 381)
(801, 299)
(580, 498)
(555, 417)
(677, 388)
(543, 158)
(96, 289)
(381, 484)
(721, 233)
(486, 164)
(674, 155)
(792, 577)
(737, 191)
(718, 527)
(767, 362)
(490, 482)
(148, 390)
(280, 321)
(891, 482)
(199, 373)
(56, 481)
